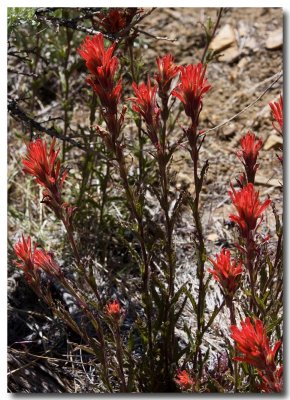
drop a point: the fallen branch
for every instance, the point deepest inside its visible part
(18, 114)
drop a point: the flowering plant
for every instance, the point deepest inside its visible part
(141, 296)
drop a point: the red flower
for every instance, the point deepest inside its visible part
(272, 383)
(32, 260)
(23, 251)
(277, 112)
(93, 52)
(116, 19)
(44, 165)
(252, 341)
(227, 273)
(103, 66)
(249, 208)
(183, 380)
(191, 89)
(249, 153)
(146, 105)
(167, 70)
(114, 309)
(45, 261)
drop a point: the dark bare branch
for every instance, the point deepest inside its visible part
(17, 113)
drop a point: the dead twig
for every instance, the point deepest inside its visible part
(155, 37)
(68, 23)
(138, 19)
(17, 113)
(209, 40)
(247, 107)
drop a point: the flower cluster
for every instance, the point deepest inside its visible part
(249, 208)
(102, 65)
(191, 89)
(167, 70)
(145, 104)
(183, 380)
(252, 341)
(114, 310)
(24, 252)
(31, 261)
(226, 272)
(277, 112)
(43, 164)
(250, 146)
(115, 19)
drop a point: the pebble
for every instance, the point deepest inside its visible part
(273, 141)
(212, 237)
(230, 55)
(275, 40)
(229, 131)
(225, 38)
(264, 181)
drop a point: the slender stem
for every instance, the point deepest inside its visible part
(95, 320)
(250, 247)
(119, 354)
(200, 247)
(231, 307)
(104, 192)
(138, 218)
(69, 36)
(92, 284)
(210, 38)
(132, 64)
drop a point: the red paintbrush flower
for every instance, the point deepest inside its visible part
(24, 252)
(191, 89)
(114, 309)
(96, 56)
(272, 383)
(115, 19)
(45, 261)
(103, 66)
(32, 260)
(226, 272)
(249, 153)
(183, 380)
(44, 165)
(167, 70)
(145, 104)
(249, 208)
(252, 341)
(277, 112)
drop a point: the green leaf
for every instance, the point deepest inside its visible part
(178, 314)
(178, 294)
(191, 298)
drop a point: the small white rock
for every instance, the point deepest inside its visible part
(273, 141)
(275, 40)
(230, 55)
(225, 38)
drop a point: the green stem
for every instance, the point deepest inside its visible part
(120, 356)
(231, 308)
(200, 247)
